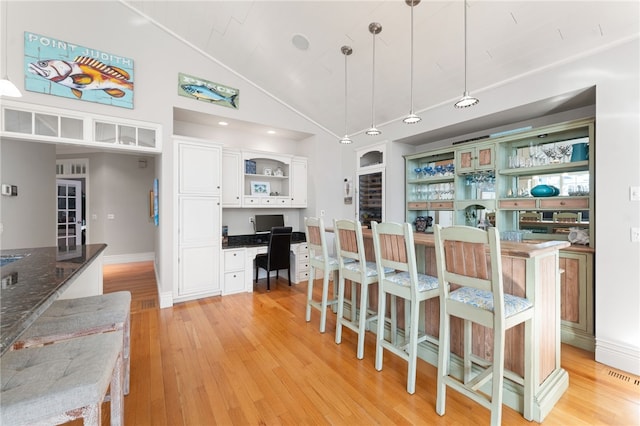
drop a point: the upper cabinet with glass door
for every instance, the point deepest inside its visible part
(546, 179)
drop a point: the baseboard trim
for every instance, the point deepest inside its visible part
(620, 356)
(129, 258)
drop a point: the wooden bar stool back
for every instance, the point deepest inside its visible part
(471, 288)
(531, 217)
(354, 267)
(568, 217)
(319, 259)
(395, 249)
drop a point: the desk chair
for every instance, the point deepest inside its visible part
(277, 255)
(319, 259)
(568, 217)
(471, 288)
(354, 267)
(394, 249)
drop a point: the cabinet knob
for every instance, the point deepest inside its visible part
(562, 203)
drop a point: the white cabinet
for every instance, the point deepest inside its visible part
(199, 171)
(199, 241)
(234, 271)
(231, 178)
(299, 262)
(298, 182)
(199, 219)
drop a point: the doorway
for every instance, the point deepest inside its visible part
(70, 224)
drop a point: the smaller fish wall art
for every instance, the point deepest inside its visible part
(69, 70)
(208, 91)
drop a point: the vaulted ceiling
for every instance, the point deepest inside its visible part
(506, 39)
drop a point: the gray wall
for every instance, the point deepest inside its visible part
(28, 220)
(118, 185)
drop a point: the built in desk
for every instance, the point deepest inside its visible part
(32, 278)
(530, 270)
(239, 252)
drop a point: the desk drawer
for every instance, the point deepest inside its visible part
(233, 282)
(234, 260)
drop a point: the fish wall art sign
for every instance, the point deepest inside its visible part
(207, 91)
(65, 69)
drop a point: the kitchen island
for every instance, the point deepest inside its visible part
(32, 278)
(531, 270)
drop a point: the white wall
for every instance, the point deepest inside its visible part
(29, 220)
(158, 59)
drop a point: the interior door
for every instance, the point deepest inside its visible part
(69, 194)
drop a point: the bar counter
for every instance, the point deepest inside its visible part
(32, 278)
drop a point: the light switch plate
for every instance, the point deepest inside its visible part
(6, 189)
(634, 193)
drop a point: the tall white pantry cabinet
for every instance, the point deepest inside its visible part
(199, 194)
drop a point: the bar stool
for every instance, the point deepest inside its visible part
(354, 267)
(394, 248)
(69, 318)
(478, 297)
(65, 381)
(319, 259)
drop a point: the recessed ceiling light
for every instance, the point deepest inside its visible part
(271, 132)
(223, 123)
(300, 41)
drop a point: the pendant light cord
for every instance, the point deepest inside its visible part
(373, 83)
(465, 47)
(411, 73)
(345, 90)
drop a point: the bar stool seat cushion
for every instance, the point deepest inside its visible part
(371, 270)
(42, 382)
(425, 282)
(93, 314)
(484, 300)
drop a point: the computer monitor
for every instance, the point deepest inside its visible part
(264, 222)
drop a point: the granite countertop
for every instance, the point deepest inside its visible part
(32, 278)
(257, 240)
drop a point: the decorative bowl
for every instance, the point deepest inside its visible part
(544, 191)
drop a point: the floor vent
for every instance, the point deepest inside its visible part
(624, 378)
(148, 304)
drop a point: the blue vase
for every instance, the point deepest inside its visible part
(544, 191)
(579, 152)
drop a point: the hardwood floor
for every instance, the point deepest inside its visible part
(251, 359)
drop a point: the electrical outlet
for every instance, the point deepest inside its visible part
(634, 193)
(321, 213)
(635, 235)
(251, 219)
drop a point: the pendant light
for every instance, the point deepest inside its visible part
(346, 51)
(7, 88)
(374, 28)
(412, 118)
(466, 100)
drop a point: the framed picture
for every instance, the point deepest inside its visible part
(260, 188)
